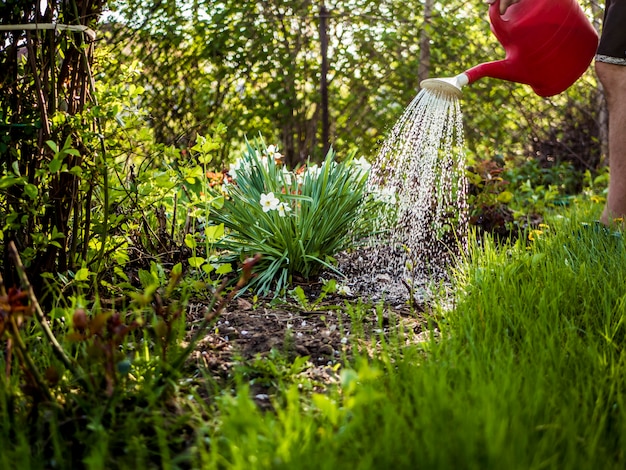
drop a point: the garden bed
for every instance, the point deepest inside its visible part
(324, 335)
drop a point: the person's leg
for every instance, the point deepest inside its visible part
(611, 70)
(613, 79)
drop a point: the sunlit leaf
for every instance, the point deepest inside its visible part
(224, 268)
(196, 261)
(82, 274)
(214, 232)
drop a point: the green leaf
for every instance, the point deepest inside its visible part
(177, 270)
(53, 146)
(55, 165)
(328, 408)
(214, 232)
(298, 294)
(8, 181)
(224, 268)
(31, 191)
(505, 197)
(537, 258)
(147, 279)
(190, 241)
(120, 272)
(218, 202)
(196, 261)
(82, 274)
(57, 312)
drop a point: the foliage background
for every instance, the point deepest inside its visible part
(124, 111)
(256, 67)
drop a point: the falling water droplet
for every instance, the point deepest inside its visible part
(421, 165)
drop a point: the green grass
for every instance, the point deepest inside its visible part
(528, 373)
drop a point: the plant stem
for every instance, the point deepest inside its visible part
(56, 347)
(22, 352)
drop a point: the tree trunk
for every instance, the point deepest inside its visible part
(423, 69)
(324, 79)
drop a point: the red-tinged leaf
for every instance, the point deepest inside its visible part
(52, 375)
(75, 337)
(97, 323)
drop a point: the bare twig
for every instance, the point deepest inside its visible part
(43, 106)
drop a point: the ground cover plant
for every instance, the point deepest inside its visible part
(528, 373)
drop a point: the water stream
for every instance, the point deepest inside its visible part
(420, 171)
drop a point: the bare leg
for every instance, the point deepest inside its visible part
(613, 78)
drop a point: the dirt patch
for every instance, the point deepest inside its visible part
(245, 332)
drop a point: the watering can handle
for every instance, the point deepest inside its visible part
(499, 22)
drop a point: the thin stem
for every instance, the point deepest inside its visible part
(22, 352)
(56, 347)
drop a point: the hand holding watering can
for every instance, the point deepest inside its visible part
(504, 4)
(548, 43)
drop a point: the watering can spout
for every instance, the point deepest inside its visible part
(500, 69)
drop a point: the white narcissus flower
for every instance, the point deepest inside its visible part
(272, 151)
(314, 170)
(288, 176)
(283, 208)
(234, 167)
(269, 202)
(362, 163)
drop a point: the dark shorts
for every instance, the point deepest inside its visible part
(612, 48)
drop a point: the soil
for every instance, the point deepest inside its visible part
(325, 335)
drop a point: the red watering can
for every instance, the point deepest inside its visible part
(549, 44)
